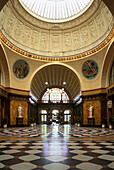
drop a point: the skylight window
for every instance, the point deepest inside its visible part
(56, 9)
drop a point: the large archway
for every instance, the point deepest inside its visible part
(58, 76)
(109, 58)
(5, 79)
(4, 82)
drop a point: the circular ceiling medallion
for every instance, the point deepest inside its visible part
(21, 69)
(56, 10)
(90, 69)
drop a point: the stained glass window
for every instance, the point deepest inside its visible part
(55, 95)
(46, 95)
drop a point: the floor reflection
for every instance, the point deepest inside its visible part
(44, 129)
(55, 131)
(66, 129)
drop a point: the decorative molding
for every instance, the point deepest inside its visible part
(96, 97)
(15, 91)
(94, 92)
(56, 42)
(18, 98)
(110, 87)
(1, 87)
(3, 93)
(45, 58)
(56, 26)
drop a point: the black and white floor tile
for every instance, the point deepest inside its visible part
(53, 151)
(60, 131)
(56, 154)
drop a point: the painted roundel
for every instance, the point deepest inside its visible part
(90, 69)
(21, 69)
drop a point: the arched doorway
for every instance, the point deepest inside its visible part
(55, 116)
(43, 116)
(67, 116)
(55, 87)
(55, 76)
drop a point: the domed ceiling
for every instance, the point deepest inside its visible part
(64, 41)
(56, 10)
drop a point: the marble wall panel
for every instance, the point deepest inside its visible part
(96, 112)
(14, 111)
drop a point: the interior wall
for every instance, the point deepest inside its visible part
(76, 66)
(111, 78)
(107, 65)
(4, 68)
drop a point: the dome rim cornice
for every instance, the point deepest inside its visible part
(26, 54)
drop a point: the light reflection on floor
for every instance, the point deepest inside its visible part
(66, 129)
(56, 147)
(56, 131)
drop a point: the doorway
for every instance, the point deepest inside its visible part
(55, 117)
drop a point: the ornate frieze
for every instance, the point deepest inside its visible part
(45, 58)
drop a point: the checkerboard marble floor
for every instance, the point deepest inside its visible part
(56, 148)
(61, 131)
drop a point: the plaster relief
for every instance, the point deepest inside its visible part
(9, 25)
(34, 39)
(18, 28)
(69, 38)
(55, 42)
(67, 41)
(85, 36)
(56, 26)
(2, 15)
(26, 35)
(107, 15)
(43, 41)
(76, 39)
(100, 24)
(93, 31)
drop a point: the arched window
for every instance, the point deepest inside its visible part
(55, 95)
(111, 79)
(43, 114)
(67, 112)
(67, 115)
